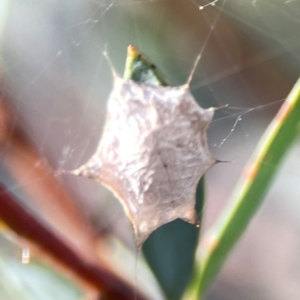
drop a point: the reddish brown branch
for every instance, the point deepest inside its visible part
(25, 224)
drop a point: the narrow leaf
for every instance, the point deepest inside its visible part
(248, 195)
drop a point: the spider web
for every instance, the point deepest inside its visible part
(58, 83)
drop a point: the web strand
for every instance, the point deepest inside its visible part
(205, 43)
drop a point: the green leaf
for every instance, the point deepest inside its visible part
(170, 250)
(138, 68)
(248, 194)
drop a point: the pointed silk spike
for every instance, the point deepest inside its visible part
(112, 68)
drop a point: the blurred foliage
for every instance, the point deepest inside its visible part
(56, 83)
(33, 279)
